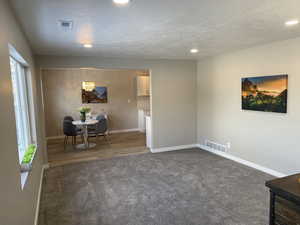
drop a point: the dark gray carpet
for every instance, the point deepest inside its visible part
(180, 188)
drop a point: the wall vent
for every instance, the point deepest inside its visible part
(216, 146)
(66, 24)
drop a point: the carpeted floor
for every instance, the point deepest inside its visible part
(188, 187)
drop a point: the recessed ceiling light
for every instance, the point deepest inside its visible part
(88, 45)
(291, 22)
(121, 2)
(194, 50)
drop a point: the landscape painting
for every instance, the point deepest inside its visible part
(97, 95)
(266, 93)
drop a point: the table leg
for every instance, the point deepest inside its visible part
(86, 136)
(86, 144)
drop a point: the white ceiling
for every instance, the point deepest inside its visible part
(155, 28)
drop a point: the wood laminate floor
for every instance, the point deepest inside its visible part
(119, 144)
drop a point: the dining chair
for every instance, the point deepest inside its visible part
(70, 130)
(68, 118)
(100, 129)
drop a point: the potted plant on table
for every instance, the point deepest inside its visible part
(83, 111)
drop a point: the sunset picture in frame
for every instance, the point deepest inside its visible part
(265, 93)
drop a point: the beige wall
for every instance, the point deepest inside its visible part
(268, 139)
(173, 101)
(64, 85)
(17, 206)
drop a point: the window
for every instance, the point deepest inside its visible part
(22, 103)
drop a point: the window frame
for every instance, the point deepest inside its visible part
(28, 102)
(21, 106)
(24, 98)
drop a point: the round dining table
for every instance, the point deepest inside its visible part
(84, 125)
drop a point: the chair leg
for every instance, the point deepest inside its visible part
(106, 138)
(74, 142)
(65, 142)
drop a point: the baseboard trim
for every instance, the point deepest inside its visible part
(173, 148)
(242, 161)
(37, 210)
(111, 132)
(124, 130)
(54, 137)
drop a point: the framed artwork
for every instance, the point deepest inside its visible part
(94, 95)
(265, 93)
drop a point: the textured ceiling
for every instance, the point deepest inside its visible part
(155, 28)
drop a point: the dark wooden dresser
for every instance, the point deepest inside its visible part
(285, 200)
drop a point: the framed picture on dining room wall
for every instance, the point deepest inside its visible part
(93, 94)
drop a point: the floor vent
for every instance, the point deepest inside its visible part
(216, 146)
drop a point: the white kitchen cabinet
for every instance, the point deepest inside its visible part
(142, 121)
(143, 86)
(148, 132)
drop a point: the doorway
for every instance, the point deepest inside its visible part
(124, 100)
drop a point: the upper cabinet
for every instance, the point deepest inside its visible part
(143, 86)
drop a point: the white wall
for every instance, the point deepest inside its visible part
(173, 93)
(17, 206)
(268, 139)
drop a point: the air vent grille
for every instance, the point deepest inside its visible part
(66, 24)
(216, 146)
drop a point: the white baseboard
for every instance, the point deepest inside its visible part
(242, 161)
(173, 148)
(54, 137)
(124, 130)
(110, 131)
(37, 209)
(142, 130)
